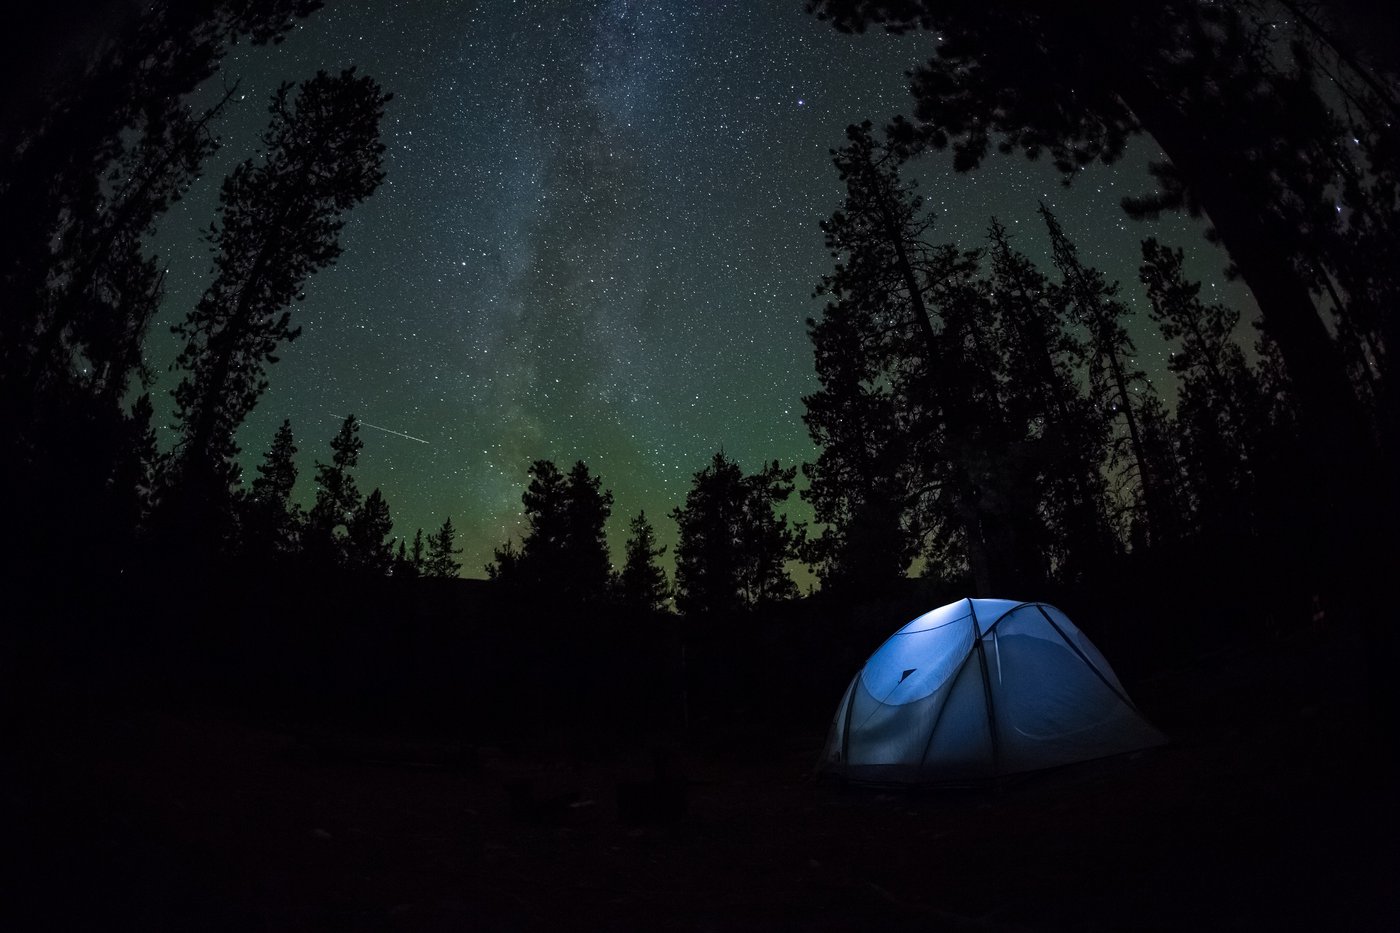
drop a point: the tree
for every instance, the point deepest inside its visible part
(141, 457)
(271, 519)
(564, 554)
(337, 496)
(641, 585)
(587, 566)
(1300, 185)
(441, 562)
(768, 542)
(97, 141)
(733, 549)
(1066, 430)
(104, 287)
(1116, 386)
(1219, 409)
(368, 548)
(89, 160)
(863, 487)
(411, 562)
(1205, 80)
(402, 567)
(541, 551)
(908, 340)
(279, 223)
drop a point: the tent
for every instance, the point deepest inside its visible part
(982, 688)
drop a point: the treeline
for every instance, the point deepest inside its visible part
(983, 424)
(1281, 133)
(992, 422)
(732, 553)
(344, 530)
(108, 144)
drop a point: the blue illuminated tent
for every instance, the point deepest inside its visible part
(981, 688)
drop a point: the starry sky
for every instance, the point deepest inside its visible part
(597, 240)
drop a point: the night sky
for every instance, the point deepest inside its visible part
(598, 239)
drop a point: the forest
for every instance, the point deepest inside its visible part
(983, 422)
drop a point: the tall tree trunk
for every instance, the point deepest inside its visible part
(1328, 405)
(1351, 503)
(978, 560)
(1146, 476)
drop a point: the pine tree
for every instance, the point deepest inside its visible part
(94, 327)
(95, 147)
(88, 163)
(710, 525)
(402, 567)
(587, 564)
(271, 519)
(337, 496)
(733, 549)
(564, 554)
(1218, 86)
(907, 340)
(131, 490)
(279, 223)
(1067, 434)
(768, 542)
(368, 548)
(277, 474)
(505, 564)
(641, 585)
(441, 562)
(1273, 131)
(416, 559)
(863, 485)
(1117, 386)
(1218, 405)
(544, 542)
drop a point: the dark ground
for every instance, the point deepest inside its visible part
(1273, 808)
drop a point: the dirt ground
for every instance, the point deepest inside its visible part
(1273, 808)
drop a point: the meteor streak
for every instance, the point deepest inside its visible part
(409, 437)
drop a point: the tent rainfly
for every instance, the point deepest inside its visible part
(977, 689)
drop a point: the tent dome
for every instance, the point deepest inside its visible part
(981, 688)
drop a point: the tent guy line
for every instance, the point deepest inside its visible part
(385, 430)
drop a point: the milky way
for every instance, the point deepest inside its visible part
(598, 239)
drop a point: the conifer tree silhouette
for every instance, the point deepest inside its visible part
(1118, 386)
(368, 548)
(1219, 408)
(1274, 130)
(1232, 105)
(97, 141)
(441, 562)
(272, 520)
(733, 548)
(279, 223)
(337, 497)
(1068, 432)
(641, 584)
(564, 554)
(411, 563)
(908, 339)
(89, 160)
(416, 555)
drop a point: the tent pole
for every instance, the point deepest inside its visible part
(986, 689)
(933, 730)
(846, 727)
(1075, 648)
